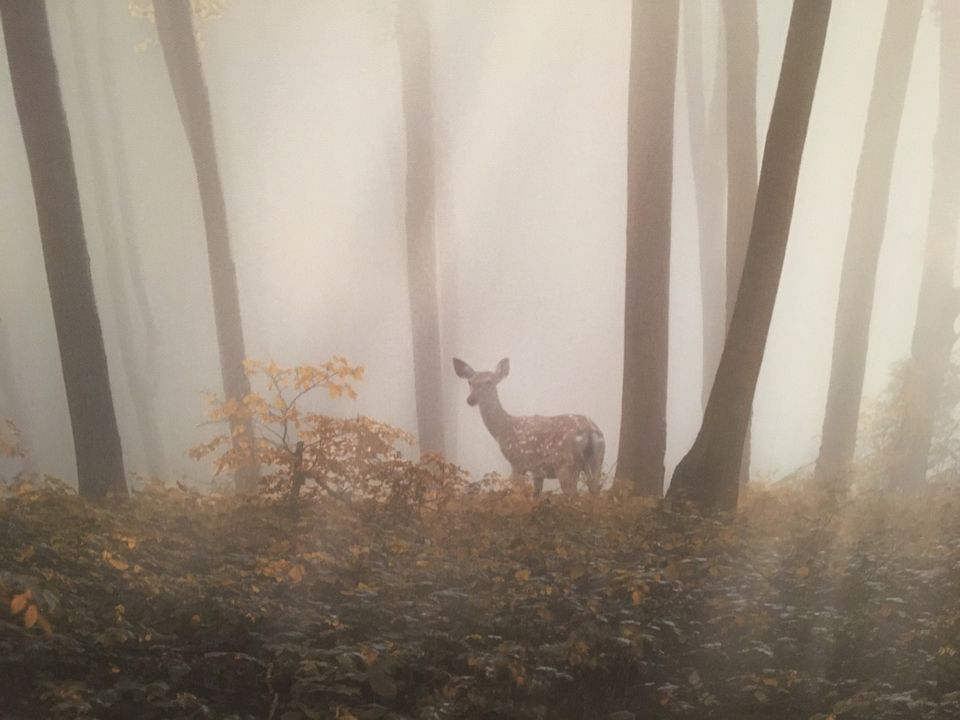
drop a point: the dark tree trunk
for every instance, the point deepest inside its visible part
(868, 219)
(653, 69)
(139, 382)
(709, 474)
(46, 136)
(175, 29)
(933, 335)
(413, 42)
(740, 21)
(708, 153)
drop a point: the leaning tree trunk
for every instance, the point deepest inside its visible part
(708, 154)
(933, 335)
(653, 68)
(740, 21)
(868, 219)
(138, 380)
(413, 42)
(46, 136)
(175, 29)
(709, 474)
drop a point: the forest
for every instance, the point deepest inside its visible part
(439, 359)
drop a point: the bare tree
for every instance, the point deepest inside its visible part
(740, 21)
(868, 218)
(46, 137)
(708, 154)
(709, 474)
(653, 68)
(413, 42)
(140, 381)
(939, 301)
(175, 29)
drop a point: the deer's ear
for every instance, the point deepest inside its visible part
(503, 368)
(462, 369)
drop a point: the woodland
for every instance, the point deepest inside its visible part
(331, 564)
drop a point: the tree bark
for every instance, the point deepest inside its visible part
(934, 336)
(864, 239)
(708, 155)
(740, 21)
(709, 474)
(139, 381)
(36, 88)
(413, 43)
(653, 67)
(175, 29)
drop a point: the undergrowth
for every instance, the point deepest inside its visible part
(180, 604)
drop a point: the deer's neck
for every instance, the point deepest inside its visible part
(498, 421)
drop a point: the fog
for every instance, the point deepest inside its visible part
(531, 102)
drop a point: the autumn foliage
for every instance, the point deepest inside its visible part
(309, 455)
(10, 444)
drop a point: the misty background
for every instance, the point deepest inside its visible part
(531, 107)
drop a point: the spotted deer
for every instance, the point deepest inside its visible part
(560, 446)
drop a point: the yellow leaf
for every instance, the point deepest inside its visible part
(295, 573)
(115, 562)
(803, 571)
(522, 575)
(25, 554)
(19, 602)
(31, 616)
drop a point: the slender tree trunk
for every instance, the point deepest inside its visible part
(709, 474)
(653, 69)
(413, 42)
(175, 29)
(137, 381)
(933, 335)
(46, 136)
(708, 154)
(128, 225)
(740, 21)
(864, 239)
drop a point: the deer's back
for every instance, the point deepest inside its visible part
(543, 444)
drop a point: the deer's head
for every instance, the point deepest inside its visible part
(482, 384)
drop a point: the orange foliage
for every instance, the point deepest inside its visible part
(348, 458)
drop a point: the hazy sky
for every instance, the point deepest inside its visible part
(531, 113)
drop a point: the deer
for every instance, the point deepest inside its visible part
(559, 446)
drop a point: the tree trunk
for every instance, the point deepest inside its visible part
(933, 335)
(175, 29)
(138, 381)
(413, 43)
(653, 68)
(46, 136)
(868, 218)
(707, 151)
(709, 474)
(740, 21)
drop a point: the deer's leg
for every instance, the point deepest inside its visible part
(568, 478)
(537, 485)
(593, 481)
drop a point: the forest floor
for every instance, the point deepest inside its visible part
(184, 605)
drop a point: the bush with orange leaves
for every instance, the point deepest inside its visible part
(306, 454)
